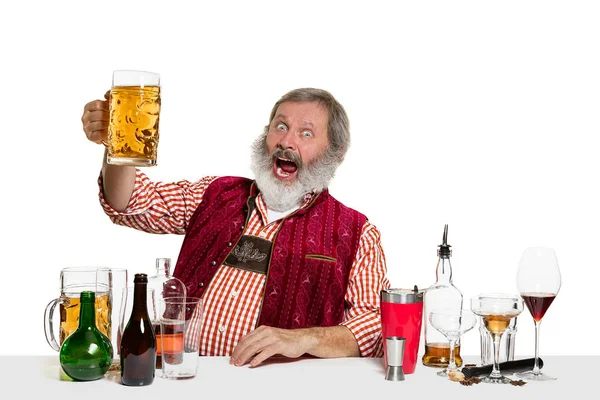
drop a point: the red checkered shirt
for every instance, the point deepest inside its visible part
(231, 302)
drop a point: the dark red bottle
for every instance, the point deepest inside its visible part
(138, 344)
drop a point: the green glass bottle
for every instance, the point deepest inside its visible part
(86, 354)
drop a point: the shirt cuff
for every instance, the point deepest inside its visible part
(366, 328)
(135, 205)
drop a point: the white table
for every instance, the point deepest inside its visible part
(311, 379)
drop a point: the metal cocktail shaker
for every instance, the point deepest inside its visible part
(402, 316)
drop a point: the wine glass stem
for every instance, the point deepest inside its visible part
(452, 362)
(536, 365)
(496, 370)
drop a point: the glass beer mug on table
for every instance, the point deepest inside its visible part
(73, 281)
(134, 115)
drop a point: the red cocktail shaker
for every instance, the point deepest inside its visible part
(402, 315)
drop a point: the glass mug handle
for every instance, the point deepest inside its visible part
(49, 324)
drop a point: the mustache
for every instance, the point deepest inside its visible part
(280, 152)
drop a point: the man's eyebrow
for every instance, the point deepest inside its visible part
(283, 117)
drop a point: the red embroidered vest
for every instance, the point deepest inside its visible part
(310, 261)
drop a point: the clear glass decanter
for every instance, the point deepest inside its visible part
(164, 286)
(441, 295)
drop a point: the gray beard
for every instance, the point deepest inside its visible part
(282, 196)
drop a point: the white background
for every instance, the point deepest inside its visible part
(480, 114)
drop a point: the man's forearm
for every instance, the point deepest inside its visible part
(334, 341)
(266, 341)
(117, 184)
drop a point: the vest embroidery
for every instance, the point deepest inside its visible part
(251, 253)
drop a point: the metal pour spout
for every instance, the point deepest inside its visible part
(444, 249)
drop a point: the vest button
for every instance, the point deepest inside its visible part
(200, 284)
(242, 228)
(213, 263)
(229, 244)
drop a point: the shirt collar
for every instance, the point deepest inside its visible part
(262, 206)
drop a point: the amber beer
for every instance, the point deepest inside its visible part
(69, 314)
(134, 117)
(73, 281)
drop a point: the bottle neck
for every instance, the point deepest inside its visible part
(443, 272)
(140, 299)
(87, 312)
(163, 267)
(163, 271)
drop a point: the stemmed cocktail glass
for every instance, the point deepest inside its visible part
(538, 281)
(496, 310)
(452, 324)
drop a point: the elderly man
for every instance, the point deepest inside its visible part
(282, 266)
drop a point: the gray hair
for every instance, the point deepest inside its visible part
(338, 125)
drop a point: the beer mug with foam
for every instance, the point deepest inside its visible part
(73, 281)
(134, 115)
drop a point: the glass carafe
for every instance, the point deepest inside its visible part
(441, 295)
(164, 286)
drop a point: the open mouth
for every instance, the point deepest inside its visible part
(284, 168)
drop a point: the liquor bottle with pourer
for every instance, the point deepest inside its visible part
(441, 295)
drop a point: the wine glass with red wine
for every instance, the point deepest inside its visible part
(538, 281)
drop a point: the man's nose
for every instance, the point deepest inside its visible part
(288, 141)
